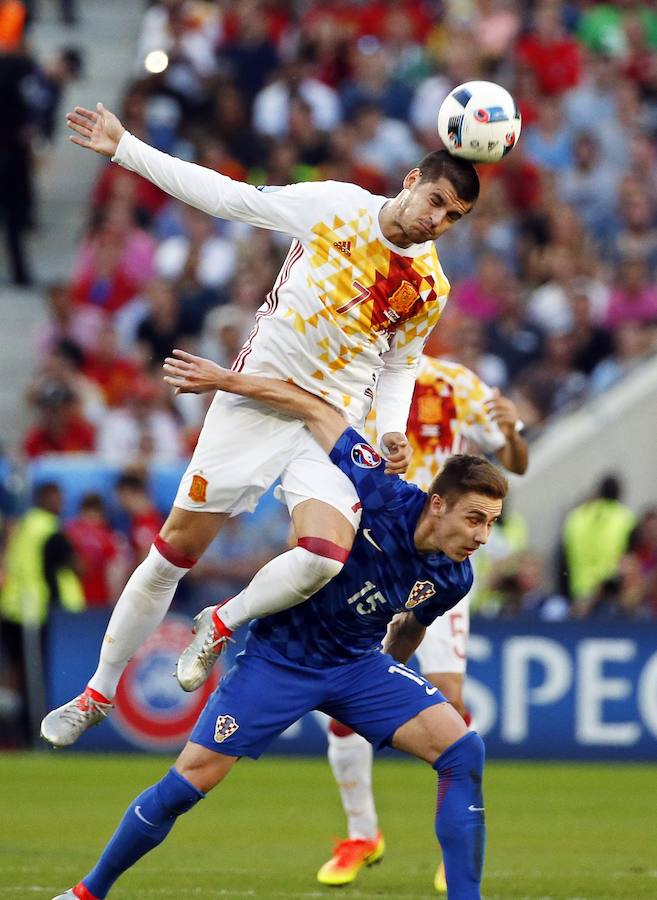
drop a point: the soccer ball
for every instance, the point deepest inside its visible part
(479, 121)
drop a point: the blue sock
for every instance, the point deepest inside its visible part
(460, 820)
(146, 823)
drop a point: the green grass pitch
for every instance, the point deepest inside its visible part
(555, 831)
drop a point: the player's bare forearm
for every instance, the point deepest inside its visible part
(404, 636)
(189, 374)
(514, 455)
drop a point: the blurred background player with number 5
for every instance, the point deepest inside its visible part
(453, 411)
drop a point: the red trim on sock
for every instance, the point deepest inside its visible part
(83, 893)
(95, 695)
(219, 626)
(172, 555)
(339, 730)
(320, 547)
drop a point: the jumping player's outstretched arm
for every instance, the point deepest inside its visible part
(293, 209)
(190, 374)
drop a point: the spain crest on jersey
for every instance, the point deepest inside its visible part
(225, 727)
(404, 297)
(420, 592)
(198, 489)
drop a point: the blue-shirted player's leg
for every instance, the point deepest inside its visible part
(439, 736)
(388, 703)
(255, 701)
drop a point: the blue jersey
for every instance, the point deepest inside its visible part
(384, 575)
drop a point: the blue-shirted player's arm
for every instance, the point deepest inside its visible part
(190, 374)
(347, 449)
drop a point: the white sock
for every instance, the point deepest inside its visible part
(350, 759)
(287, 580)
(141, 607)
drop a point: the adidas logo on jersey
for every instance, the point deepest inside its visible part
(343, 247)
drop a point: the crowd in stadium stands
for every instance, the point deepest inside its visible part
(554, 278)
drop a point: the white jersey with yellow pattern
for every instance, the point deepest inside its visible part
(448, 412)
(348, 311)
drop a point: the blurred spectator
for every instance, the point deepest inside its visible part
(60, 426)
(114, 261)
(271, 108)
(550, 51)
(595, 537)
(101, 561)
(16, 195)
(111, 370)
(157, 332)
(592, 342)
(524, 592)
(469, 350)
(384, 144)
(225, 330)
(343, 165)
(589, 185)
(198, 264)
(591, 106)
(229, 122)
(64, 366)
(549, 141)
(602, 27)
(45, 86)
(39, 573)
(632, 344)
(12, 25)
(373, 83)
(509, 335)
(479, 297)
(637, 236)
(141, 432)
(549, 306)
(552, 384)
(633, 296)
(144, 520)
(248, 55)
(639, 568)
(67, 321)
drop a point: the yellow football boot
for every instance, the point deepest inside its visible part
(348, 859)
(440, 882)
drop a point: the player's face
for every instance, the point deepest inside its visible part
(460, 529)
(428, 209)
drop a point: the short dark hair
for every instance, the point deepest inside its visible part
(465, 474)
(131, 481)
(460, 172)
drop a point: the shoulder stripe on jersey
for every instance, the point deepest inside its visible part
(271, 303)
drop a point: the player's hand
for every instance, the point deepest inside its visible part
(503, 412)
(397, 452)
(98, 130)
(189, 374)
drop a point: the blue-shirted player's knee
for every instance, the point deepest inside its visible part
(202, 767)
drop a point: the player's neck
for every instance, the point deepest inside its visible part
(390, 228)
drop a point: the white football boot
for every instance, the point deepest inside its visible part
(64, 725)
(197, 659)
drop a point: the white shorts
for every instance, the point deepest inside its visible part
(445, 644)
(244, 447)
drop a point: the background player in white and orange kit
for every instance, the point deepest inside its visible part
(350, 310)
(452, 411)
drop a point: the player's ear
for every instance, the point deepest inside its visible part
(437, 504)
(412, 178)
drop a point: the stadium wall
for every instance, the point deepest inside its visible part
(616, 432)
(559, 691)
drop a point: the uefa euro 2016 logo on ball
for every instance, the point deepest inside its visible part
(479, 121)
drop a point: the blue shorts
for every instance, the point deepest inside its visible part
(259, 698)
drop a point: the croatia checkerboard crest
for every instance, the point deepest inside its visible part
(420, 592)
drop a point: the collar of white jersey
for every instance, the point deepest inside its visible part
(413, 250)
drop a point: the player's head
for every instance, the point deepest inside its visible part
(465, 500)
(438, 192)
